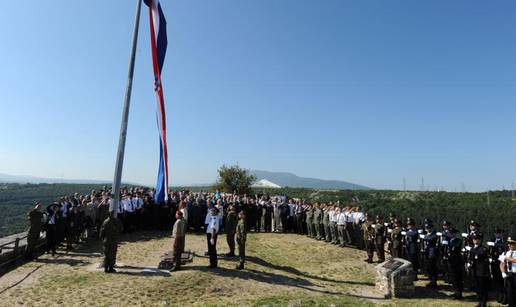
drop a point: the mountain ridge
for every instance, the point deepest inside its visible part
(286, 179)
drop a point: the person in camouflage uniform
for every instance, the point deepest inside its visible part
(316, 221)
(369, 235)
(231, 225)
(326, 223)
(379, 239)
(36, 225)
(308, 220)
(102, 213)
(178, 233)
(241, 237)
(109, 232)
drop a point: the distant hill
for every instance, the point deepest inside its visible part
(6, 178)
(293, 181)
(264, 183)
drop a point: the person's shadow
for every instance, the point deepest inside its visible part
(261, 276)
(294, 271)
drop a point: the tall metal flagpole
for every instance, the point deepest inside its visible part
(125, 115)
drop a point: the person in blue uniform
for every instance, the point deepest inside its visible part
(431, 253)
(412, 245)
(455, 261)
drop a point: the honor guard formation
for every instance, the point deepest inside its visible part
(486, 263)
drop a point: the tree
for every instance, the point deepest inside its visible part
(233, 178)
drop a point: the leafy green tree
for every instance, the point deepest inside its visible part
(233, 178)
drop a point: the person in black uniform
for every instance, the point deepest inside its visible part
(496, 248)
(396, 239)
(444, 245)
(478, 262)
(412, 245)
(53, 218)
(453, 243)
(431, 253)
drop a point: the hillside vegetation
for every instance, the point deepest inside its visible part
(17, 199)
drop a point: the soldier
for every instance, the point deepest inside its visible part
(478, 262)
(178, 233)
(102, 213)
(431, 253)
(109, 232)
(333, 224)
(316, 219)
(350, 226)
(496, 249)
(369, 238)
(231, 225)
(309, 220)
(36, 225)
(326, 223)
(379, 239)
(453, 244)
(320, 227)
(341, 227)
(445, 237)
(241, 237)
(412, 245)
(390, 226)
(508, 268)
(396, 240)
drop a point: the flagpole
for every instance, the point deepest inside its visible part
(125, 115)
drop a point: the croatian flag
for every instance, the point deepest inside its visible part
(158, 31)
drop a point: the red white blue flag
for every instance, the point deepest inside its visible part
(158, 31)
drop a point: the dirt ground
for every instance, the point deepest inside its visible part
(281, 270)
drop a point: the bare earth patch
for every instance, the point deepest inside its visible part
(281, 270)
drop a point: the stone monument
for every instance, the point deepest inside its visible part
(395, 278)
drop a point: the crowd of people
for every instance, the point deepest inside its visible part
(461, 259)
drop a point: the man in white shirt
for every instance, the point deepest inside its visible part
(341, 225)
(212, 231)
(508, 268)
(128, 208)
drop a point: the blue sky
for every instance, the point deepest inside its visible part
(364, 91)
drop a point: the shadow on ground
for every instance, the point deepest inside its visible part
(260, 276)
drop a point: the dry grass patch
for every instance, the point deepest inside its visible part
(282, 270)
